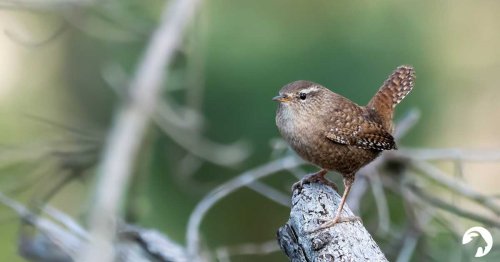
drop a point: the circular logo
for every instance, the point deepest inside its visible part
(482, 232)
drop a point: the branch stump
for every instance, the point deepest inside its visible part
(349, 241)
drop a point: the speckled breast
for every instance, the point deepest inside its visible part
(316, 148)
(308, 139)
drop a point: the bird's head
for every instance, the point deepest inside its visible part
(301, 95)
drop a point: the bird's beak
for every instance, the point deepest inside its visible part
(281, 98)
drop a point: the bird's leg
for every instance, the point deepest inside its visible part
(348, 181)
(314, 178)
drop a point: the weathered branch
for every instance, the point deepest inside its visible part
(129, 127)
(58, 237)
(348, 241)
(248, 177)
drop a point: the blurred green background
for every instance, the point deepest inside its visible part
(236, 56)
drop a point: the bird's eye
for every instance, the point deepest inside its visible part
(303, 96)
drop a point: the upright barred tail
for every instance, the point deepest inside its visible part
(394, 89)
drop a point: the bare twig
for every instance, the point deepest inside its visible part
(179, 122)
(53, 244)
(129, 126)
(270, 193)
(158, 246)
(450, 154)
(59, 237)
(193, 229)
(66, 221)
(412, 192)
(408, 248)
(21, 210)
(362, 184)
(384, 220)
(405, 124)
(216, 153)
(182, 118)
(455, 185)
(426, 196)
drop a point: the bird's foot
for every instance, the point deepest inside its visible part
(318, 177)
(327, 223)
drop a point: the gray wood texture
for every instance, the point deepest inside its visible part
(348, 241)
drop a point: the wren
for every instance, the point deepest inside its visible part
(336, 134)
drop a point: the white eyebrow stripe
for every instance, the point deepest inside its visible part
(310, 89)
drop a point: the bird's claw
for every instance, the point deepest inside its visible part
(328, 222)
(318, 177)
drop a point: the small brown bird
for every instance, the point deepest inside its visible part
(336, 134)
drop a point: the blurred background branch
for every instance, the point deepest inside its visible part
(209, 170)
(129, 128)
(399, 177)
(60, 238)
